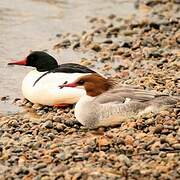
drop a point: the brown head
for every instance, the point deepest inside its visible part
(94, 84)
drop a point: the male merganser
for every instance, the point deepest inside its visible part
(108, 103)
(41, 85)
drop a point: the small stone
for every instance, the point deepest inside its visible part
(158, 129)
(51, 135)
(85, 62)
(95, 47)
(128, 32)
(113, 47)
(60, 127)
(111, 16)
(64, 156)
(37, 106)
(164, 113)
(103, 141)
(71, 122)
(166, 147)
(176, 146)
(3, 169)
(177, 1)
(176, 110)
(129, 140)
(48, 124)
(156, 174)
(64, 44)
(154, 25)
(40, 166)
(79, 158)
(41, 112)
(150, 121)
(58, 35)
(86, 39)
(114, 30)
(162, 154)
(14, 123)
(155, 54)
(46, 178)
(35, 145)
(166, 177)
(76, 45)
(22, 170)
(126, 44)
(4, 98)
(108, 41)
(152, 3)
(18, 101)
(124, 159)
(29, 104)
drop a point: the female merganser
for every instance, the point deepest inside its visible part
(42, 85)
(108, 103)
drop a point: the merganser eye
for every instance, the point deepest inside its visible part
(81, 82)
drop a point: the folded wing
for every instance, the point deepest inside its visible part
(124, 93)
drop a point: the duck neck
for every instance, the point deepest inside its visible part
(85, 111)
(46, 68)
(86, 99)
(96, 89)
(85, 102)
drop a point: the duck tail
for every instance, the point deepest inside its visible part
(166, 100)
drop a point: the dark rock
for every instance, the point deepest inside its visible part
(126, 44)
(111, 16)
(5, 98)
(155, 54)
(22, 170)
(71, 122)
(152, 3)
(176, 146)
(108, 41)
(48, 124)
(40, 166)
(96, 47)
(158, 129)
(60, 127)
(76, 45)
(154, 25)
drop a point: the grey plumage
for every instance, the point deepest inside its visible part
(108, 103)
(120, 103)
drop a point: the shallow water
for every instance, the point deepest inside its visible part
(27, 25)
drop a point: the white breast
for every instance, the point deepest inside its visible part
(47, 92)
(86, 111)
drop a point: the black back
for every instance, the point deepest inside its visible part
(72, 68)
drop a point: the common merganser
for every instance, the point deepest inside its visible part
(108, 103)
(41, 85)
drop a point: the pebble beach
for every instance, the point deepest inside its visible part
(44, 143)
